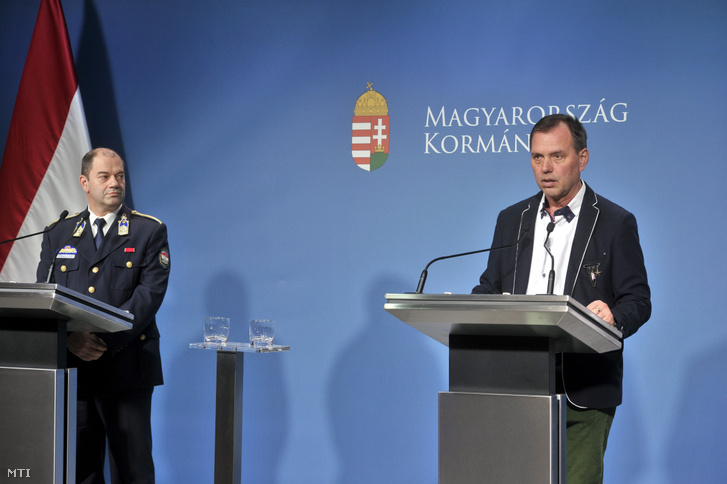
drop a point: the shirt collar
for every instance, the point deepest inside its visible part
(109, 217)
(570, 211)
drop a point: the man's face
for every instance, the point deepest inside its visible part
(105, 185)
(556, 165)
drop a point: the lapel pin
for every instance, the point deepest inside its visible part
(593, 272)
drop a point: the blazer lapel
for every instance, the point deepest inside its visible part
(525, 248)
(588, 218)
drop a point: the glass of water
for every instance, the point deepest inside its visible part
(262, 332)
(216, 329)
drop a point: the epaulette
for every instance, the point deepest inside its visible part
(67, 218)
(146, 216)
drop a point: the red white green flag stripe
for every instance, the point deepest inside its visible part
(48, 137)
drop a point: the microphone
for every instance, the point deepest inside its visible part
(423, 277)
(84, 216)
(62, 216)
(551, 275)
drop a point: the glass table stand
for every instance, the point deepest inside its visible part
(228, 405)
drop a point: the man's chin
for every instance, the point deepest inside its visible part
(549, 191)
(113, 204)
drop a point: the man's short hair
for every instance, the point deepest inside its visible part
(577, 131)
(87, 160)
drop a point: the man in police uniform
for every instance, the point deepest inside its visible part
(120, 257)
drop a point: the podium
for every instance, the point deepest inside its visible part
(501, 420)
(38, 392)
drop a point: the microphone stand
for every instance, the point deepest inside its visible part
(63, 215)
(423, 277)
(551, 275)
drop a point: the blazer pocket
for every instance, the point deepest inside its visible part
(127, 266)
(66, 271)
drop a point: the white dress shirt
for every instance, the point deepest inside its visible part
(559, 243)
(109, 218)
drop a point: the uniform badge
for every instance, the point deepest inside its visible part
(123, 225)
(593, 272)
(67, 252)
(164, 258)
(79, 228)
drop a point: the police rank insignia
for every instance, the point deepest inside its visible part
(79, 228)
(593, 272)
(370, 130)
(123, 225)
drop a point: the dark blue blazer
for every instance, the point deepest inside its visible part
(606, 263)
(130, 271)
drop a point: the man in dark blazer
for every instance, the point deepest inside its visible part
(598, 261)
(117, 372)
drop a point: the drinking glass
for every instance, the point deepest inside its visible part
(262, 332)
(216, 329)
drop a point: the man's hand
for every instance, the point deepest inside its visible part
(602, 310)
(87, 346)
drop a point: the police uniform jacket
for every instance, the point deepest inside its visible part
(130, 271)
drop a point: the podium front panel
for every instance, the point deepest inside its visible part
(32, 420)
(503, 439)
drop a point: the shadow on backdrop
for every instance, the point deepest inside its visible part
(188, 394)
(385, 423)
(97, 90)
(190, 380)
(698, 442)
(265, 414)
(626, 459)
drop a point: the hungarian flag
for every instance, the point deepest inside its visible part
(47, 139)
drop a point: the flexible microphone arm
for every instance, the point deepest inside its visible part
(551, 275)
(62, 216)
(423, 277)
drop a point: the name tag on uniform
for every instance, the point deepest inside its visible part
(67, 252)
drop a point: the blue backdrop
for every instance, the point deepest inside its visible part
(235, 121)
